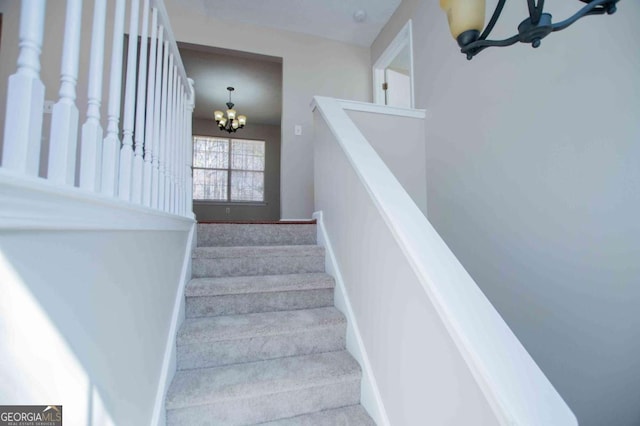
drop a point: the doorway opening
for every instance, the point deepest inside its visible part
(393, 72)
(236, 175)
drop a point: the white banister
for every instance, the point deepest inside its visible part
(137, 151)
(150, 121)
(126, 152)
(139, 135)
(163, 18)
(25, 95)
(163, 126)
(64, 119)
(111, 145)
(91, 142)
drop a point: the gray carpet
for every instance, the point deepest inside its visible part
(262, 342)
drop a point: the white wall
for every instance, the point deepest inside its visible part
(532, 175)
(311, 66)
(84, 320)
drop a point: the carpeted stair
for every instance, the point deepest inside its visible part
(262, 342)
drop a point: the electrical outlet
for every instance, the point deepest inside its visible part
(228, 210)
(297, 130)
(47, 107)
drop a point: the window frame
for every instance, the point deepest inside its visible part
(229, 171)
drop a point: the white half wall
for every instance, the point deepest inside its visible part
(406, 343)
(88, 302)
(433, 341)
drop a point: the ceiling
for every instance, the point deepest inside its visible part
(257, 80)
(331, 19)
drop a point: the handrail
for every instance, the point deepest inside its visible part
(512, 383)
(163, 17)
(139, 156)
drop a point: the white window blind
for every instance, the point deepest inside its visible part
(228, 169)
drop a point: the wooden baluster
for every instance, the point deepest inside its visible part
(186, 140)
(163, 127)
(126, 152)
(189, 149)
(111, 145)
(25, 95)
(150, 118)
(185, 153)
(166, 150)
(176, 144)
(91, 142)
(64, 118)
(169, 139)
(157, 130)
(139, 136)
(174, 141)
(180, 151)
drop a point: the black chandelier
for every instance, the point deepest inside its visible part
(232, 122)
(466, 19)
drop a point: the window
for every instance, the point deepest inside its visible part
(228, 169)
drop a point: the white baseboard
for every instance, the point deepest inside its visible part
(369, 394)
(169, 363)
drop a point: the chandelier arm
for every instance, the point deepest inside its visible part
(476, 47)
(493, 20)
(596, 7)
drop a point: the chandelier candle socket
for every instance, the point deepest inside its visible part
(466, 19)
(232, 121)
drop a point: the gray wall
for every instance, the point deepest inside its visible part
(270, 209)
(399, 141)
(532, 179)
(310, 66)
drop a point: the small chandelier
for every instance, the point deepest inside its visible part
(232, 122)
(466, 19)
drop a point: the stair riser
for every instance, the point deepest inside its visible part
(265, 408)
(353, 415)
(214, 354)
(244, 266)
(227, 235)
(236, 304)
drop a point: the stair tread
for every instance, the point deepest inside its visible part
(209, 385)
(353, 415)
(220, 286)
(233, 327)
(254, 234)
(257, 251)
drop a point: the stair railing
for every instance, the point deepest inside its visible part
(143, 154)
(442, 336)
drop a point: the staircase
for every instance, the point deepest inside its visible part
(262, 342)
